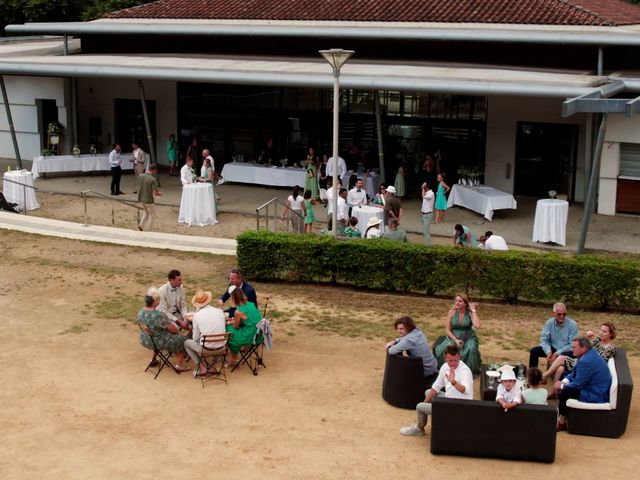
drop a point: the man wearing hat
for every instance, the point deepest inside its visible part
(206, 321)
(392, 205)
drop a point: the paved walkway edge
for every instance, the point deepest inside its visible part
(119, 236)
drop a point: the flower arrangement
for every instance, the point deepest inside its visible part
(553, 194)
(469, 175)
(75, 151)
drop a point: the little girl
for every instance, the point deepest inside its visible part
(509, 394)
(535, 394)
(441, 199)
(309, 218)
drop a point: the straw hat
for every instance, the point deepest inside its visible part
(201, 298)
(373, 221)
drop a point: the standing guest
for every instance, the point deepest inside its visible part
(352, 231)
(556, 337)
(357, 196)
(459, 325)
(535, 394)
(242, 325)
(186, 172)
(173, 153)
(147, 190)
(589, 382)
(426, 212)
(193, 150)
(508, 395)
(392, 206)
(116, 169)
(399, 182)
(342, 167)
(236, 278)
(311, 179)
(172, 302)
(330, 201)
(441, 198)
(456, 379)
(165, 334)
(208, 175)
(394, 233)
(323, 177)
(207, 156)
(341, 214)
(373, 228)
(138, 159)
(429, 172)
(309, 218)
(353, 178)
(463, 236)
(414, 342)
(295, 204)
(268, 154)
(493, 242)
(207, 320)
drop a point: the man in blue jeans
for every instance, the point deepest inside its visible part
(556, 337)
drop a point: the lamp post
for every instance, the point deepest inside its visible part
(336, 57)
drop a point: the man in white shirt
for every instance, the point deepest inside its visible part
(138, 159)
(207, 155)
(342, 167)
(172, 299)
(456, 379)
(186, 172)
(207, 320)
(341, 213)
(356, 196)
(426, 212)
(494, 242)
(330, 202)
(115, 162)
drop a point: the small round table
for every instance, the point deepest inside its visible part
(197, 206)
(364, 213)
(550, 224)
(15, 193)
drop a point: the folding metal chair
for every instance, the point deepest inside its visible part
(161, 357)
(213, 357)
(252, 355)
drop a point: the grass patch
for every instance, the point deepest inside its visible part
(77, 328)
(121, 307)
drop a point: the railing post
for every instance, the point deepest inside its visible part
(257, 219)
(24, 198)
(86, 217)
(113, 215)
(267, 217)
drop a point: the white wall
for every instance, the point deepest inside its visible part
(96, 99)
(22, 93)
(502, 117)
(619, 130)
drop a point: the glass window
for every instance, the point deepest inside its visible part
(630, 160)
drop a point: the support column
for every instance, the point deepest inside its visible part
(147, 127)
(376, 99)
(5, 99)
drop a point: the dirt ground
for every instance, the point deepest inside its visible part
(77, 404)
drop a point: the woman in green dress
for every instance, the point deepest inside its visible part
(165, 334)
(460, 324)
(173, 153)
(311, 179)
(243, 324)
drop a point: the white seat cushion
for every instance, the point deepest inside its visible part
(573, 403)
(613, 392)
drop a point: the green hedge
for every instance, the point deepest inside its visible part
(586, 280)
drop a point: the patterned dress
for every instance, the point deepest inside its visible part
(157, 323)
(605, 351)
(246, 331)
(352, 232)
(469, 353)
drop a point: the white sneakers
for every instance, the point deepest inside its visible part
(412, 431)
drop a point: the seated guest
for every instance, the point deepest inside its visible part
(556, 336)
(206, 321)
(243, 324)
(489, 241)
(373, 228)
(393, 233)
(535, 394)
(602, 344)
(508, 394)
(456, 379)
(165, 334)
(172, 299)
(237, 279)
(459, 325)
(413, 341)
(464, 237)
(589, 382)
(352, 231)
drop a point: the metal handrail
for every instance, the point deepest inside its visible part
(128, 203)
(263, 211)
(24, 191)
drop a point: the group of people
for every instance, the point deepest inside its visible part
(175, 328)
(577, 363)
(140, 161)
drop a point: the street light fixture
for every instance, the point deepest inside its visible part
(336, 57)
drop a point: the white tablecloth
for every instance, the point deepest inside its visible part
(481, 199)
(550, 224)
(197, 205)
(371, 182)
(15, 193)
(262, 175)
(83, 163)
(364, 213)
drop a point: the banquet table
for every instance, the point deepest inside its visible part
(364, 213)
(16, 193)
(197, 205)
(550, 224)
(262, 175)
(481, 199)
(371, 182)
(71, 163)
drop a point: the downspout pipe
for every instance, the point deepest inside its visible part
(376, 98)
(7, 108)
(147, 127)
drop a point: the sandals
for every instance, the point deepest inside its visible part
(178, 368)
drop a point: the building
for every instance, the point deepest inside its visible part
(516, 87)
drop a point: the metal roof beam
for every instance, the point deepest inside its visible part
(633, 106)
